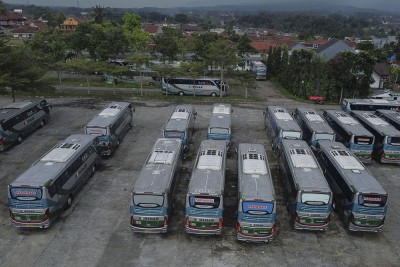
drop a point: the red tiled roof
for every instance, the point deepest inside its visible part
(24, 29)
(11, 16)
(152, 29)
(320, 41)
(262, 46)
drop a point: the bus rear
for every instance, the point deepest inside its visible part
(362, 146)
(220, 128)
(28, 206)
(107, 143)
(204, 214)
(149, 213)
(389, 150)
(256, 220)
(312, 211)
(368, 212)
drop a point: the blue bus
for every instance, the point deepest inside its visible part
(309, 197)
(358, 197)
(387, 137)
(153, 195)
(281, 125)
(256, 219)
(205, 196)
(181, 124)
(351, 133)
(39, 195)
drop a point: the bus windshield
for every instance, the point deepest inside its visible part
(325, 136)
(219, 130)
(204, 202)
(99, 131)
(257, 208)
(371, 200)
(26, 193)
(174, 134)
(315, 198)
(291, 135)
(148, 201)
(363, 140)
(394, 141)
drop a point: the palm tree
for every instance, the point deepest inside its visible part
(98, 14)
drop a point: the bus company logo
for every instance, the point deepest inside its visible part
(204, 200)
(257, 207)
(373, 199)
(25, 193)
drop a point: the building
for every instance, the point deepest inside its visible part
(332, 48)
(70, 24)
(380, 75)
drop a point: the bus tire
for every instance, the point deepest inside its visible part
(151, 83)
(68, 204)
(19, 139)
(213, 94)
(181, 93)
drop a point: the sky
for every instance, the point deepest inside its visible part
(183, 3)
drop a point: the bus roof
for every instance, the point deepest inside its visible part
(179, 119)
(158, 172)
(283, 118)
(220, 108)
(11, 109)
(377, 123)
(208, 180)
(108, 115)
(314, 121)
(305, 170)
(255, 181)
(356, 175)
(220, 121)
(391, 114)
(54, 161)
(373, 101)
(348, 123)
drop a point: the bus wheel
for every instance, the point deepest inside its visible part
(42, 123)
(213, 94)
(19, 139)
(181, 93)
(69, 202)
(151, 83)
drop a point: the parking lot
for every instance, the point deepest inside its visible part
(96, 230)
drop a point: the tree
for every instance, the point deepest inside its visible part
(19, 69)
(181, 18)
(247, 79)
(244, 46)
(98, 14)
(223, 53)
(137, 38)
(167, 43)
(3, 9)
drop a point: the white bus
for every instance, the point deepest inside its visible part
(111, 125)
(19, 119)
(42, 192)
(193, 86)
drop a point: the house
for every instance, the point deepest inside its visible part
(23, 32)
(70, 24)
(296, 46)
(317, 43)
(11, 19)
(381, 42)
(152, 29)
(380, 75)
(332, 48)
(191, 28)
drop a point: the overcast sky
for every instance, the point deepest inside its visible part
(108, 3)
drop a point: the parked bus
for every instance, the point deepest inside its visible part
(391, 116)
(19, 119)
(280, 125)
(387, 138)
(256, 219)
(49, 186)
(111, 125)
(259, 69)
(153, 195)
(358, 197)
(314, 127)
(192, 86)
(309, 198)
(351, 133)
(181, 124)
(205, 197)
(220, 128)
(349, 105)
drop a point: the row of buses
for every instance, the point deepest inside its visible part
(39, 195)
(328, 177)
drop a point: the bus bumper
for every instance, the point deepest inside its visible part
(299, 226)
(195, 231)
(41, 225)
(355, 228)
(254, 238)
(143, 230)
